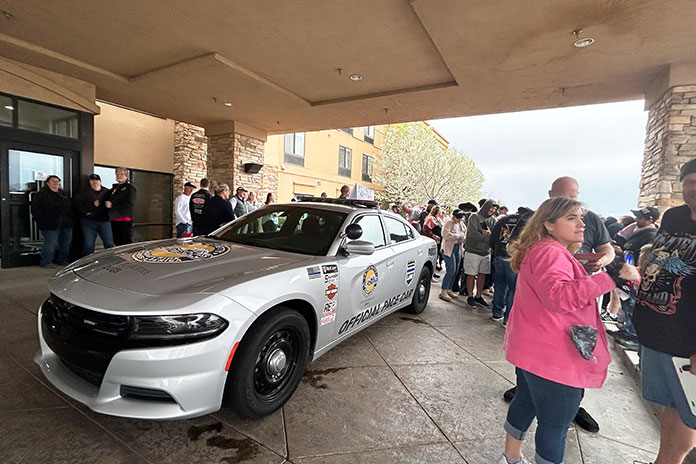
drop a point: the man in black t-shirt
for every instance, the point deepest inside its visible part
(196, 205)
(665, 320)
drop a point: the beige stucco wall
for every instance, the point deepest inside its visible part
(128, 138)
(320, 171)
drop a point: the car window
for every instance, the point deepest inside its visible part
(372, 229)
(397, 230)
(297, 229)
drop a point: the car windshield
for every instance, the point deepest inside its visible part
(297, 229)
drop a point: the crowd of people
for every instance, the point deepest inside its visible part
(99, 211)
(557, 275)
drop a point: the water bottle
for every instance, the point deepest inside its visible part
(628, 257)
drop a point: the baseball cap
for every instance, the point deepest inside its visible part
(189, 184)
(458, 213)
(242, 189)
(688, 168)
(648, 212)
(94, 177)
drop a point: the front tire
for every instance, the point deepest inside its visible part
(268, 364)
(422, 293)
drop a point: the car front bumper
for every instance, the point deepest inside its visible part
(192, 375)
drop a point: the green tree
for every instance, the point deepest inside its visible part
(415, 168)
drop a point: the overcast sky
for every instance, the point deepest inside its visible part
(520, 154)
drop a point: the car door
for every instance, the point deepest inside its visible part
(408, 257)
(364, 280)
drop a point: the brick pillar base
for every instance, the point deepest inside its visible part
(670, 142)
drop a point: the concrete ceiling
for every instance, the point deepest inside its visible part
(285, 65)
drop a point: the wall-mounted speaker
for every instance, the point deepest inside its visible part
(252, 168)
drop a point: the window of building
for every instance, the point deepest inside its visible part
(153, 203)
(47, 119)
(367, 168)
(345, 161)
(369, 135)
(6, 111)
(295, 148)
(348, 130)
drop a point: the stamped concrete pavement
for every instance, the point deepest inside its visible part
(408, 389)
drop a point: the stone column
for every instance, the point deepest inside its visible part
(670, 139)
(190, 155)
(230, 146)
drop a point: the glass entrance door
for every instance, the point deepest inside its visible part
(24, 170)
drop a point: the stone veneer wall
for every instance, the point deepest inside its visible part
(670, 141)
(190, 155)
(227, 154)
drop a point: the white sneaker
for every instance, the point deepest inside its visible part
(452, 295)
(504, 460)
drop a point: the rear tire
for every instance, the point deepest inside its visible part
(421, 294)
(268, 364)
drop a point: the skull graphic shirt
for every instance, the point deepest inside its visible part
(665, 315)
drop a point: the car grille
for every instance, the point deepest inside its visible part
(84, 340)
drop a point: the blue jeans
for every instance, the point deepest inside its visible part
(57, 238)
(90, 229)
(182, 228)
(628, 328)
(553, 404)
(505, 282)
(451, 267)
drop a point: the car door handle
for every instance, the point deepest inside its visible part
(390, 264)
(420, 252)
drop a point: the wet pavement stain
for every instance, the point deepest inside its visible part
(314, 377)
(415, 321)
(197, 430)
(246, 448)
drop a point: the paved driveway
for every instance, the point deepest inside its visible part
(407, 390)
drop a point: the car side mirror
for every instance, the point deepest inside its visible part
(360, 247)
(354, 231)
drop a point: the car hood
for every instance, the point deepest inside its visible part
(168, 267)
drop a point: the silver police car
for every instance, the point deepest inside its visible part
(174, 328)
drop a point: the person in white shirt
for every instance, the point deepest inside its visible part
(182, 213)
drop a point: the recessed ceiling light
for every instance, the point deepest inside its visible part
(227, 103)
(356, 77)
(584, 42)
(9, 107)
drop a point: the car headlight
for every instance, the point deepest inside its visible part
(187, 326)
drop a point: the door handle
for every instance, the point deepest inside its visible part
(390, 264)
(420, 252)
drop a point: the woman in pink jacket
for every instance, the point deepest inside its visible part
(553, 294)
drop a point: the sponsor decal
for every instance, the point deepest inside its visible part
(181, 253)
(329, 268)
(375, 311)
(432, 251)
(331, 291)
(328, 319)
(329, 308)
(330, 278)
(314, 272)
(410, 272)
(369, 281)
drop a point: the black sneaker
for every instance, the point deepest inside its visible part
(436, 276)
(471, 301)
(481, 302)
(510, 394)
(585, 421)
(608, 317)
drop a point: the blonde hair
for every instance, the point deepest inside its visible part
(549, 211)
